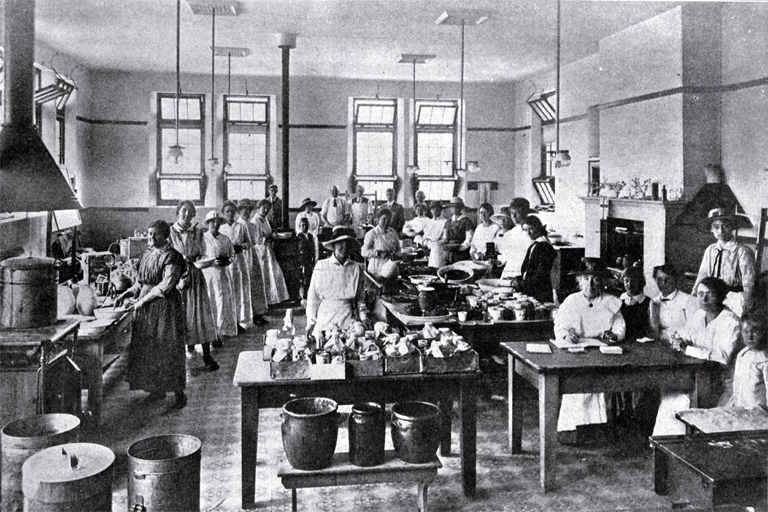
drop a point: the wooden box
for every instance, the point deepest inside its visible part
(710, 470)
(328, 371)
(370, 368)
(289, 370)
(413, 363)
(467, 361)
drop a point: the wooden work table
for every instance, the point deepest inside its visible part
(259, 390)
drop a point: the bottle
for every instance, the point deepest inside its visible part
(655, 190)
(664, 193)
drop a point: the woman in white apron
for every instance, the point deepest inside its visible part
(274, 282)
(216, 272)
(237, 232)
(359, 211)
(434, 236)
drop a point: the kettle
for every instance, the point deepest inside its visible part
(120, 283)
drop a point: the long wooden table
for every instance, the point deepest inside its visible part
(641, 366)
(259, 391)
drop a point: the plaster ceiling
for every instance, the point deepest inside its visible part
(350, 38)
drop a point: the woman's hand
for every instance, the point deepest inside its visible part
(572, 336)
(678, 343)
(120, 299)
(610, 336)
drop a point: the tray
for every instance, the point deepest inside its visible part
(467, 361)
(406, 364)
(289, 370)
(370, 368)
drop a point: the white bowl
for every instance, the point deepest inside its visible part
(495, 285)
(109, 313)
(94, 327)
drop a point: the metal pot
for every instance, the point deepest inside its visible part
(28, 292)
(121, 282)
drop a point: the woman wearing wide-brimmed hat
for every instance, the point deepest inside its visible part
(236, 229)
(727, 259)
(336, 295)
(588, 313)
(274, 281)
(220, 254)
(314, 221)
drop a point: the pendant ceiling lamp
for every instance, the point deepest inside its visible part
(229, 52)
(562, 158)
(213, 162)
(462, 19)
(414, 58)
(176, 152)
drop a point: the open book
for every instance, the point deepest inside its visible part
(583, 342)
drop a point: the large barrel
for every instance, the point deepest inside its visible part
(415, 431)
(28, 292)
(164, 473)
(310, 429)
(69, 478)
(21, 439)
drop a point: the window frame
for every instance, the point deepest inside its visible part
(198, 124)
(453, 129)
(264, 127)
(61, 131)
(374, 128)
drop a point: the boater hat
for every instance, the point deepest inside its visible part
(592, 267)
(340, 233)
(214, 216)
(501, 216)
(455, 201)
(307, 201)
(737, 220)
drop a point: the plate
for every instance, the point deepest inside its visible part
(495, 286)
(203, 261)
(420, 320)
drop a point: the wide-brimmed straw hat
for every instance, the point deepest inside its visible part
(307, 201)
(340, 233)
(737, 220)
(455, 201)
(244, 203)
(592, 267)
(214, 216)
(501, 216)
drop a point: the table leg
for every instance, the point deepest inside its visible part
(549, 405)
(468, 438)
(515, 406)
(294, 501)
(702, 387)
(249, 399)
(445, 426)
(422, 496)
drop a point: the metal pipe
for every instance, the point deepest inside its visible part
(286, 130)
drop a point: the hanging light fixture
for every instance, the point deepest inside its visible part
(414, 58)
(213, 162)
(176, 152)
(463, 18)
(562, 158)
(229, 52)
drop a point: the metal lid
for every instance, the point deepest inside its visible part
(27, 263)
(73, 469)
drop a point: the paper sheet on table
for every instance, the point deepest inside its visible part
(538, 348)
(611, 350)
(583, 342)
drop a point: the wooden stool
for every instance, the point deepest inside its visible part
(342, 472)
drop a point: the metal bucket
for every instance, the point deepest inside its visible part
(25, 437)
(415, 431)
(310, 429)
(28, 292)
(69, 478)
(164, 474)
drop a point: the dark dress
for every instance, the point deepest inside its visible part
(156, 359)
(456, 233)
(637, 318)
(306, 243)
(536, 270)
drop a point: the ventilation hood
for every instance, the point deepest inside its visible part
(30, 179)
(709, 197)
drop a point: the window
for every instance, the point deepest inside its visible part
(435, 147)
(374, 130)
(60, 134)
(38, 111)
(181, 178)
(246, 146)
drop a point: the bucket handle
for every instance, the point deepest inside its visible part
(74, 461)
(139, 507)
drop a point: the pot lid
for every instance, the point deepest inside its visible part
(66, 468)
(27, 263)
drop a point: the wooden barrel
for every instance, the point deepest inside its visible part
(21, 439)
(70, 477)
(164, 473)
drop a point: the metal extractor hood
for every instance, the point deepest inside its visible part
(30, 179)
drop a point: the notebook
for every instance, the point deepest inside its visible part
(583, 342)
(538, 348)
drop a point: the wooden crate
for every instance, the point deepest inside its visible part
(467, 361)
(328, 371)
(370, 368)
(289, 370)
(406, 364)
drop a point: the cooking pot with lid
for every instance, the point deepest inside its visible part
(28, 292)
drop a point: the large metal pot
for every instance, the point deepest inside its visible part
(28, 292)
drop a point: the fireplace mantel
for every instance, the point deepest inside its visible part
(657, 217)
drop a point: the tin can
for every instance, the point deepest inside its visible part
(323, 357)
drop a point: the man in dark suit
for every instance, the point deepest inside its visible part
(398, 214)
(275, 215)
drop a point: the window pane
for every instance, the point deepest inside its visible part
(245, 189)
(247, 153)
(189, 108)
(380, 112)
(435, 153)
(190, 141)
(437, 190)
(378, 187)
(248, 111)
(373, 154)
(436, 115)
(179, 190)
(167, 108)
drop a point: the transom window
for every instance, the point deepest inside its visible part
(374, 127)
(435, 146)
(180, 178)
(246, 146)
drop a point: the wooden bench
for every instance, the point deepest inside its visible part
(342, 472)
